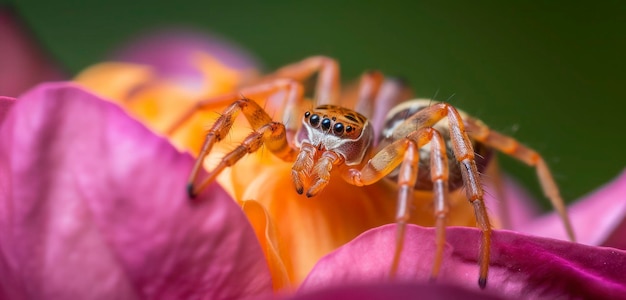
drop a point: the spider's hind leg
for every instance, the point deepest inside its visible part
(515, 149)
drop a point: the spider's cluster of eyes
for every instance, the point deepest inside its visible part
(325, 123)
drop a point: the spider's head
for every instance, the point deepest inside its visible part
(338, 129)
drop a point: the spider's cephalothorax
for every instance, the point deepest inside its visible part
(331, 127)
(422, 144)
(330, 135)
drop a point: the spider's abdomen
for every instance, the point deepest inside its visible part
(397, 117)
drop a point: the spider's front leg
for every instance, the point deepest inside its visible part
(267, 132)
(294, 96)
(405, 152)
(287, 79)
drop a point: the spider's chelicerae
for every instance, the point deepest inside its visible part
(333, 138)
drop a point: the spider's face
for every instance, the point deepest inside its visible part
(339, 129)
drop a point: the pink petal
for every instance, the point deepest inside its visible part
(23, 62)
(395, 290)
(521, 266)
(171, 52)
(93, 206)
(598, 219)
(5, 104)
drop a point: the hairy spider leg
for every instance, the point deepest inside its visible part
(289, 79)
(384, 162)
(511, 147)
(327, 88)
(369, 88)
(392, 92)
(405, 152)
(293, 89)
(407, 177)
(266, 132)
(377, 95)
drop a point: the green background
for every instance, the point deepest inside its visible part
(550, 74)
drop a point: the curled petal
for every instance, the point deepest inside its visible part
(521, 266)
(93, 206)
(266, 234)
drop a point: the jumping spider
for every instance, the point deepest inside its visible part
(332, 137)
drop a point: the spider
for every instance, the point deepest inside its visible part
(424, 145)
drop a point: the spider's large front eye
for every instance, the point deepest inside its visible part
(338, 128)
(314, 120)
(326, 124)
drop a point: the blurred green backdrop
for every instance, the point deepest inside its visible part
(550, 74)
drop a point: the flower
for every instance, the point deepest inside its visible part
(82, 176)
(296, 233)
(149, 93)
(81, 190)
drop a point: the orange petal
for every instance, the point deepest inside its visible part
(219, 78)
(266, 234)
(309, 228)
(114, 81)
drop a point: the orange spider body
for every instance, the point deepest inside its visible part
(421, 144)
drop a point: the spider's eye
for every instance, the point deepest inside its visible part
(348, 128)
(338, 128)
(315, 120)
(326, 124)
(307, 114)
